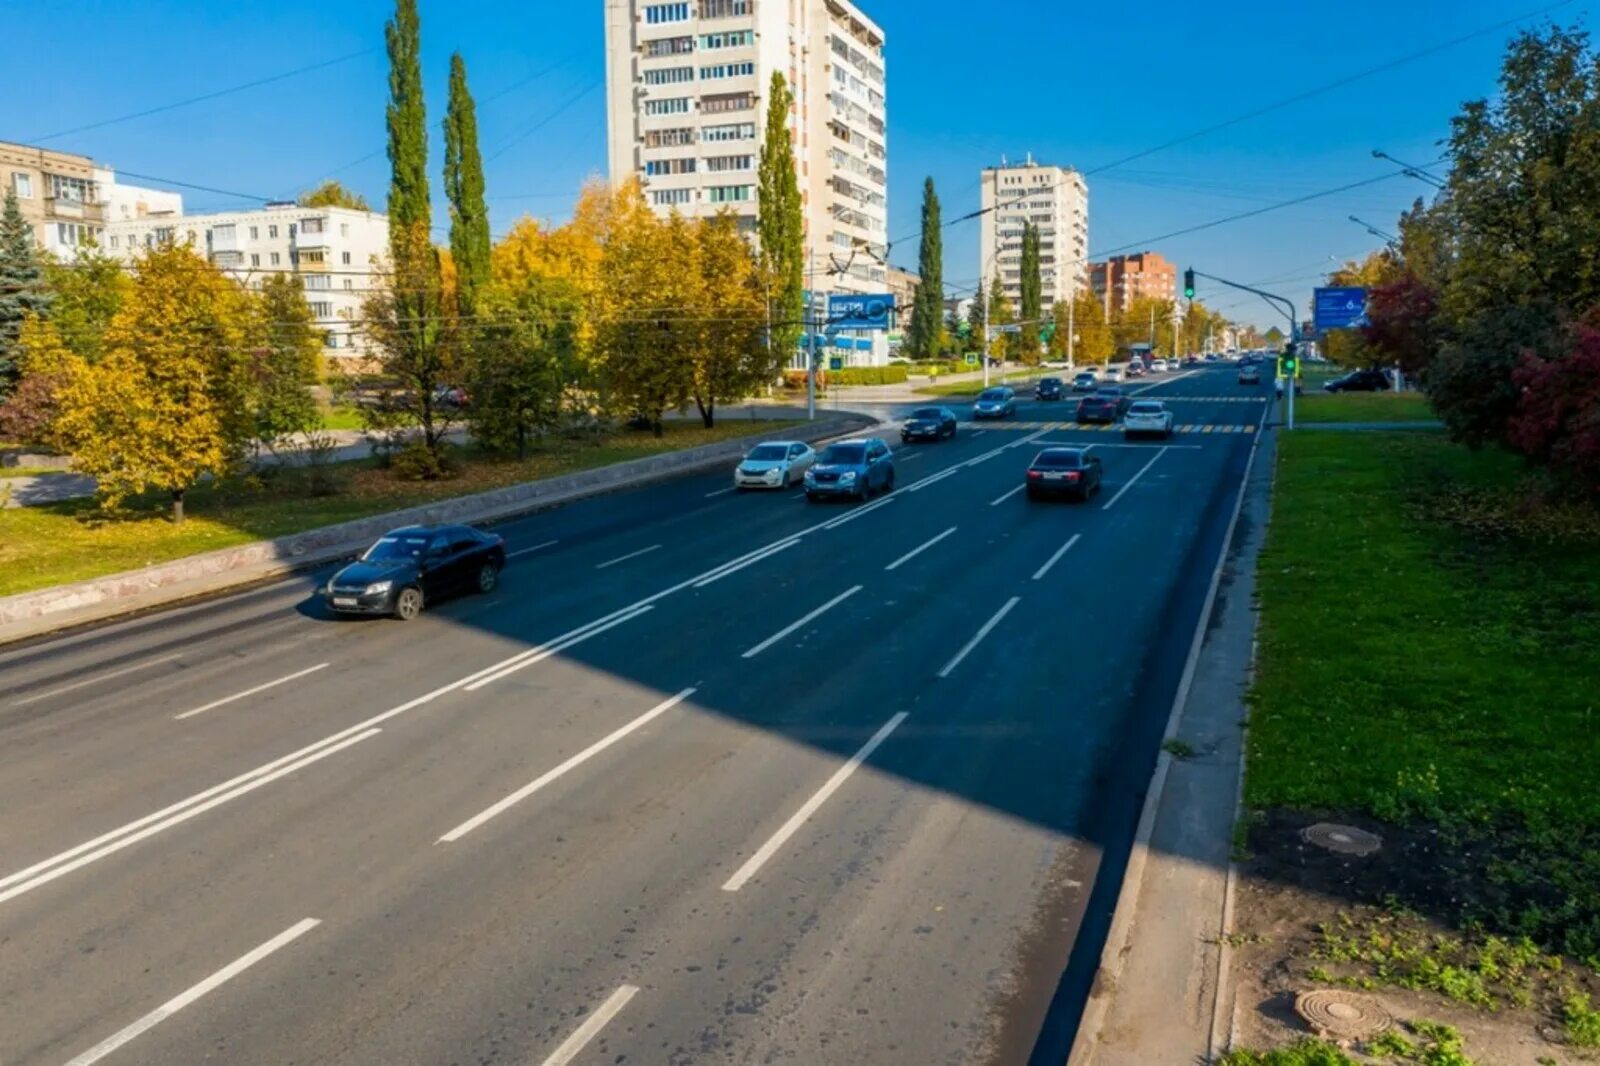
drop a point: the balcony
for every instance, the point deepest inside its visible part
(63, 207)
(320, 238)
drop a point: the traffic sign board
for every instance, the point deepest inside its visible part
(1008, 329)
(1339, 307)
(836, 362)
(972, 358)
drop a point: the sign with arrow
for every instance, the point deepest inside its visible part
(1341, 307)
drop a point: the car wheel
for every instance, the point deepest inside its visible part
(408, 604)
(488, 577)
(888, 485)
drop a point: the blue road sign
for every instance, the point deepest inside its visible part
(1339, 308)
(836, 362)
(860, 312)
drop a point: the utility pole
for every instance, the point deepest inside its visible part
(1287, 307)
(1072, 308)
(1152, 331)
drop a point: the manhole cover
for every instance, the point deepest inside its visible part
(1344, 839)
(1341, 1015)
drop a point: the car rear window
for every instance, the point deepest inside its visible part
(768, 452)
(844, 453)
(1059, 460)
(1049, 381)
(1146, 407)
(926, 412)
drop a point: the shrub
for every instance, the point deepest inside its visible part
(415, 462)
(867, 375)
(1557, 419)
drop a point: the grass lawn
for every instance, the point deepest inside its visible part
(31, 471)
(342, 418)
(1363, 407)
(975, 386)
(69, 541)
(1430, 655)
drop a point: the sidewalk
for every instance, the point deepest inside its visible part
(1162, 995)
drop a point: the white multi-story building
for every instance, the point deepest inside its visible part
(335, 250)
(1056, 200)
(686, 90)
(69, 198)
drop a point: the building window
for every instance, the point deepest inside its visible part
(668, 75)
(276, 259)
(291, 231)
(272, 232)
(222, 233)
(346, 258)
(72, 190)
(669, 46)
(330, 339)
(723, 102)
(255, 259)
(255, 232)
(716, 9)
(670, 197)
(318, 281)
(655, 14)
(728, 194)
(114, 240)
(344, 229)
(313, 256)
(322, 308)
(22, 185)
(676, 105)
(730, 39)
(658, 167)
(727, 70)
(719, 163)
(349, 284)
(310, 225)
(737, 131)
(674, 138)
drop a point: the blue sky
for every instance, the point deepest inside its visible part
(1075, 84)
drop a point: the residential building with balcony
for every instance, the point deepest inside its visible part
(1122, 279)
(686, 97)
(1054, 199)
(68, 199)
(336, 252)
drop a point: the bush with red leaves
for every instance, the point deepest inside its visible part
(1557, 420)
(28, 413)
(1403, 322)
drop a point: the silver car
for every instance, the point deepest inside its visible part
(1112, 373)
(776, 464)
(1147, 418)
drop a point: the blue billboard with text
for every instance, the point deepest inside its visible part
(860, 312)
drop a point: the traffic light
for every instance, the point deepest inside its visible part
(1289, 365)
(1188, 284)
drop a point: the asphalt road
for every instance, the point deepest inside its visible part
(711, 777)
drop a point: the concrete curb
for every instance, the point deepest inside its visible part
(32, 614)
(1119, 936)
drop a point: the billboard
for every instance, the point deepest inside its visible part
(1339, 308)
(850, 311)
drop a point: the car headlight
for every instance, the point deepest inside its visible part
(848, 475)
(378, 588)
(811, 475)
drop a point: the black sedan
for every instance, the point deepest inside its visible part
(1071, 472)
(408, 568)
(1107, 405)
(929, 423)
(1047, 389)
(1360, 381)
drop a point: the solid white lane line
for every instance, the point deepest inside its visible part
(741, 564)
(625, 558)
(790, 628)
(914, 552)
(860, 512)
(721, 492)
(572, 1045)
(1045, 569)
(540, 654)
(986, 456)
(530, 551)
(183, 816)
(818, 798)
(976, 640)
(183, 999)
(931, 478)
(250, 692)
(1133, 479)
(575, 761)
(907, 458)
(95, 680)
(1003, 497)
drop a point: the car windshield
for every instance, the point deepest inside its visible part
(766, 453)
(992, 394)
(1059, 460)
(394, 549)
(845, 454)
(926, 412)
(1146, 407)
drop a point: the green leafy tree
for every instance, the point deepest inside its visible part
(166, 403)
(977, 318)
(332, 193)
(282, 363)
(22, 287)
(1032, 303)
(463, 184)
(1095, 343)
(523, 357)
(87, 293)
(647, 329)
(780, 224)
(1001, 313)
(927, 315)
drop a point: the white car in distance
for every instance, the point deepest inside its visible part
(1147, 418)
(1158, 366)
(775, 464)
(1111, 373)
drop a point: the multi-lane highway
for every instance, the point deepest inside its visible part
(710, 777)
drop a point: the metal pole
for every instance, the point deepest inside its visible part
(1294, 331)
(1072, 307)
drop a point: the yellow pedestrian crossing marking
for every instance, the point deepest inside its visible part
(1102, 427)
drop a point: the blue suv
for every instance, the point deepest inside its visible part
(854, 468)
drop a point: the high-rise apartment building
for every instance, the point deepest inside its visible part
(1056, 200)
(1123, 279)
(68, 199)
(335, 250)
(687, 83)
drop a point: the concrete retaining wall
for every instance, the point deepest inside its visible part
(32, 613)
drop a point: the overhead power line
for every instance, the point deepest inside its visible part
(206, 96)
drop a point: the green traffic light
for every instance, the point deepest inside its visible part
(1188, 284)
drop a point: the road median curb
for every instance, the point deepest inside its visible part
(47, 610)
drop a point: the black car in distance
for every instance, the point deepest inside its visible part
(1070, 472)
(410, 567)
(1107, 405)
(928, 423)
(1360, 381)
(1048, 389)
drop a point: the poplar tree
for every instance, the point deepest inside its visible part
(1032, 292)
(463, 184)
(780, 225)
(927, 309)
